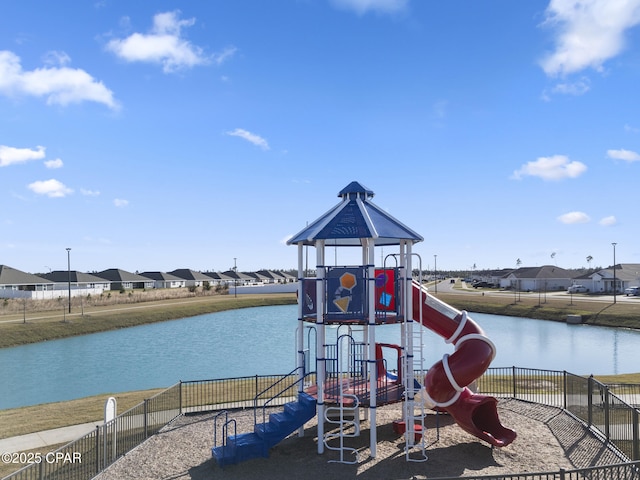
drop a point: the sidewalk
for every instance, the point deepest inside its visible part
(56, 436)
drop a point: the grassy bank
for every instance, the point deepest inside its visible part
(53, 325)
(554, 308)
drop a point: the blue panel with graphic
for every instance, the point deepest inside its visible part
(309, 302)
(346, 293)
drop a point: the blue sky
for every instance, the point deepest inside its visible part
(184, 134)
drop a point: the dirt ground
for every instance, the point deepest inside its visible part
(548, 440)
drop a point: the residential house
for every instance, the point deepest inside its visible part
(537, 279)
(165, 280)
(238, 278)
(626, 275)
(193, 279)
(270, 276)
(18, 284)
(493, 277)
(123, 280)
(218, 278)
(258, 278)
(79, 283)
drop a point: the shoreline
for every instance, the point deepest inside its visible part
(48, 325)
(51, 325)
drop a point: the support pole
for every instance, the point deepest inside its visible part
(320, 340)
(371, 285)
(300, 359)
(409, 393)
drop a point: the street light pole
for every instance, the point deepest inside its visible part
(69, 275)
(235, 280)
(614, 271)
(435, 271)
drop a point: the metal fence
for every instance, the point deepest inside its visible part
(612, 416)
(87, 456)
(623, 471)
(610, 411)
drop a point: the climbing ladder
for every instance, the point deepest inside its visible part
(347, 418)
(415, 432)
(231, 448)
(346, 415)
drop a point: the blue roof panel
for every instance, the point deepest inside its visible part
(355, 218)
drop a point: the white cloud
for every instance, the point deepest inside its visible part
(51, 188)
(556, 167)
(363, 6)
(53, 164)
(89, 193)
(59, 85)
(225, 55)
(56, 58)
(250, 137)
(608, 221)
(631, 129)
(588, 32)
(120, 203)
(622, 154)
(577, 88)
(13, 155)
(165, 45)
(574, 217)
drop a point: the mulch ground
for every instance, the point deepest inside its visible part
(548, 440)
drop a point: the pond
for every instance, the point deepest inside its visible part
(261, 341)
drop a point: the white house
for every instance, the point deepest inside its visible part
(626, 275)
(537, 279)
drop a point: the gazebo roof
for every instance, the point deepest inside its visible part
(353, 219)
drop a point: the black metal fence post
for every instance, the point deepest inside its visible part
(98, 469)
(636, 435)
(146, 423)
(564, 389)
(180, 398)
(607, 420)
(513, 380)
(590, 401)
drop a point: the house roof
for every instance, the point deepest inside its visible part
(543, 272)
(60, 276)
(218, 276)
(237, 275)
(161, 276)
(11, 276)
(353, 219)
(258, 276)
(117, 275)
(274, 275)
(624, 272)
(188, 274)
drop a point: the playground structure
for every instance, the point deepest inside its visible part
(342, 307)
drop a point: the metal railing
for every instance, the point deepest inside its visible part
(611, 416)
(87, 456)
(610, 411)
(622, 471)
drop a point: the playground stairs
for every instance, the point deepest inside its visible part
(238, 448)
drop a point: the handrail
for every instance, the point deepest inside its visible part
(266, 403)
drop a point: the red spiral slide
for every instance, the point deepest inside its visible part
(446, 382)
